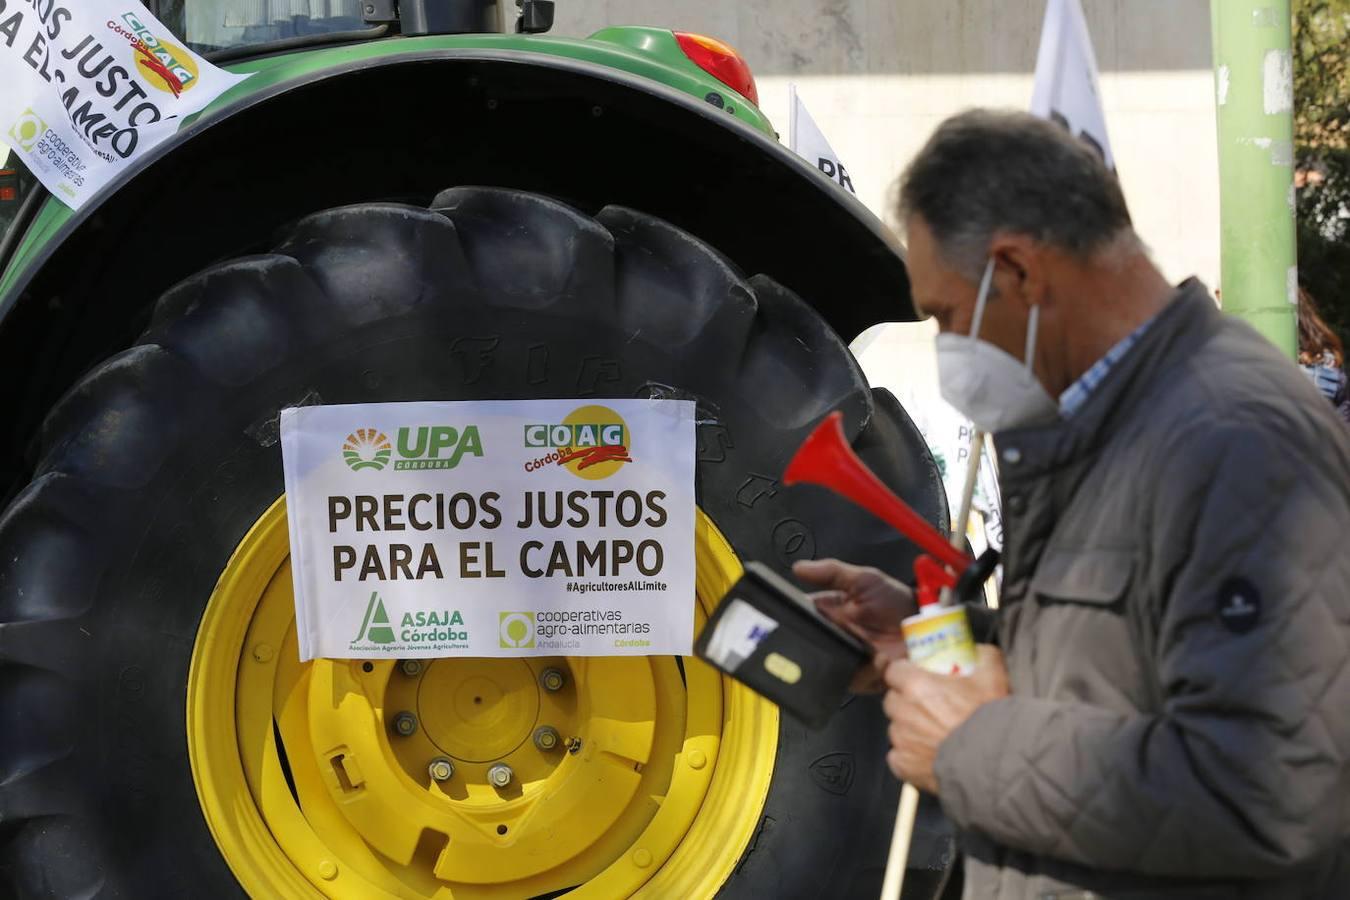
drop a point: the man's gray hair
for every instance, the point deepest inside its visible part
(984, 172)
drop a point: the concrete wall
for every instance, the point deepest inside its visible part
(878, 75)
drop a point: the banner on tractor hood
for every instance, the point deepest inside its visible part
(807, 141)
(1067, 89)
(90, 85)
(492, 528)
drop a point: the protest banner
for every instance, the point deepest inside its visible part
(91, 86)
(492, 528)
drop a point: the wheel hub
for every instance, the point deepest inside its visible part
(345, 778)
(554, 807)
(478, 710)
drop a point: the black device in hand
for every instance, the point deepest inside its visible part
(767, 635)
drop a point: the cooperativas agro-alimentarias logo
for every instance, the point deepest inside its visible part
(591, 442)
(515, 630)
(26, 130)
(416, 447)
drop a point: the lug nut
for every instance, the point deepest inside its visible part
(500, 775)
(411, 667)
(546, 737)
(441, 769)
(405, 724)
(552, 679)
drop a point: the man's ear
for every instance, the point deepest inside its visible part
(1020, 268)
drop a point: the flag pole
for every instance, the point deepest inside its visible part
(1254, 112)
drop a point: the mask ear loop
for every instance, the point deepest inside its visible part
(986, 281)
(1032, 324)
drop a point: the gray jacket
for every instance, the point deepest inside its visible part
(1176, 623)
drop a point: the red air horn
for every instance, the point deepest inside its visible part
(826, 459)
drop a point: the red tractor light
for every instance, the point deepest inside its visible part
(721, 61)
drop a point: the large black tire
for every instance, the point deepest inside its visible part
(156, 463)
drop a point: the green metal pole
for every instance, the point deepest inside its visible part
(1255, 87)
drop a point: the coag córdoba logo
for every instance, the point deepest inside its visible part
(591, 442)
(164, 65)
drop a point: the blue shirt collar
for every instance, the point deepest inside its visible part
(1076, 394)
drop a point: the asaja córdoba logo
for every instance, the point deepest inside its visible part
(375, 626)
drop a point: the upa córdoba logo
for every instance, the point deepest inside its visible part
(367, 448)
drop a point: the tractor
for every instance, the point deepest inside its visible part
(425, 200)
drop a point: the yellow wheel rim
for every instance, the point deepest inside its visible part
(648, 780)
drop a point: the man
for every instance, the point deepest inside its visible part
(1174, 716)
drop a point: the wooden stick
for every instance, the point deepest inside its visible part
(968, 489)
(909, 794)
(900, 839)
(967, 499)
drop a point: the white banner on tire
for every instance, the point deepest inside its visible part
(492, 528)
(89, 86)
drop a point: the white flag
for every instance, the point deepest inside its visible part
(1067, 89)
(90, 87)
(805, 139)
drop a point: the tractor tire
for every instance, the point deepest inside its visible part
(154, 466)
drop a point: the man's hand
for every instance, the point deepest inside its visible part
(866, 603)
(925, 707)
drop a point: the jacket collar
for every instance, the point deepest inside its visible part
(1187, 321)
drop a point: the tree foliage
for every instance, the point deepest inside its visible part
(1322, 153)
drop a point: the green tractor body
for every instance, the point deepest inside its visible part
(650, 53)
(375, 216)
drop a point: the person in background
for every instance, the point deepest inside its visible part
(1321, 355)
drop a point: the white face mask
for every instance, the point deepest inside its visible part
(987, 385)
